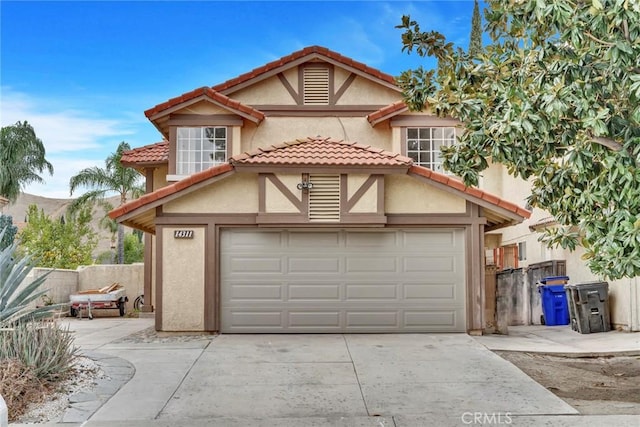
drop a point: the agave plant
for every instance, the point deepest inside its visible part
(15, 299)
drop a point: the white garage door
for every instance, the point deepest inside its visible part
(342, 281)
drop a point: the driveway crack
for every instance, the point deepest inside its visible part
(355, 371)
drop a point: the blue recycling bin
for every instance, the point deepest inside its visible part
(555, 308)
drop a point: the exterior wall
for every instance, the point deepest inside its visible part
(160, 177)
(60, 284)
(275, 130)
(275, 201)
(365, 92)
(368, 203)
(268, 92)
(236, 194)
(183, 281)
(404, 194)
(203, 107)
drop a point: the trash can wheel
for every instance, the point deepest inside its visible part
(542, 321)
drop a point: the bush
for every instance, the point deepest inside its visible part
(42, 347)
(19, 387)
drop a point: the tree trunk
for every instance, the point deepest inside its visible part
(120, 244)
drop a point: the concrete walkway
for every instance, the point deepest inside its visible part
(329, 380)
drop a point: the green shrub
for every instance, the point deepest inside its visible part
(14, 298)
(42, 347)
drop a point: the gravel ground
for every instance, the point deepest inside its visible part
(83, 377)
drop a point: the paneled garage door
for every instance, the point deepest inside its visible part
(301, 281)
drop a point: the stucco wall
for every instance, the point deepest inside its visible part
(276, 130)
(183, 281)
(404, 194)
(364, 92)
(234, 194)
(275, 201)
(270, 91)
(368, 203)
(203, 107)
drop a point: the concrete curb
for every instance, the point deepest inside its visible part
(576, 355)
(83, 405)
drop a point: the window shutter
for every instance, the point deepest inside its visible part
(316, 86)
(324, 198)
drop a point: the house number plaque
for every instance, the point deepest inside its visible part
(183, 234)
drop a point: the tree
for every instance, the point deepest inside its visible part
(10, 230)
(57, 243)
(113, 178)
(22, 159)
(555, 97)
(475, 40)
(133, 249)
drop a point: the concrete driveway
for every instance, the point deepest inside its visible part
(395, 380)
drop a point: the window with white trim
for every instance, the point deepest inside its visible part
(423, 145)
(199, 148)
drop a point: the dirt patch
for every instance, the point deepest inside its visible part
(600, 385)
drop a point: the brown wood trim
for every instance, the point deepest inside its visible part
(173, 150)
(343, 88)
(210, 272)
(433, 219)
(363, 218)
(381, 194)
(262, 193)
(148, 179)
(365, 170)
(205, 120)
(285, 191)
(296, 97)
(197, 219)
(332, 100)
(360, 192)
(344, 191)
(271, 109)
(424, 120)
(147, 274)
(305, 198)
(159, 277)
(282, 218)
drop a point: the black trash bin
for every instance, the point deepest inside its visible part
(589, 307)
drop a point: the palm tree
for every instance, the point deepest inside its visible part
(22, 159)
(114, 178)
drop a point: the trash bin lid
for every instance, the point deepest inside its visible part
(544, 280)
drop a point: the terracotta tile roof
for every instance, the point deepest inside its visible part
(170, 189)
(321, 152)
(387, 112)
(311, 50)
(473, 191)
(212, 94)
(152, 153)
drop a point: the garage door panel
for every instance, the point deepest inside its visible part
(362, 264)
(342, 281)
(315, 265)
(314, 292)
(308, 239)
(261, 291)
(255, 264)
(371, 292)
(431, 291)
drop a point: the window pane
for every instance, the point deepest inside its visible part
(450, 135)
(221, 145)
(183, 132)
(208, 133)
(221, 132)
(412, 144)
(412, 133)
(438, 133)
(425, 145)
(196, 133)
(220, 157)
(414, 156)
(425, 133)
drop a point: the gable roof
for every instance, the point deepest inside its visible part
(387, 112)
(151, 154)
(319, 151)
(210, 95)
(300, 56)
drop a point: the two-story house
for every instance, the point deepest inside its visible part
(303, 196)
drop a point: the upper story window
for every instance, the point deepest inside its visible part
(424, 143)
(199, 148)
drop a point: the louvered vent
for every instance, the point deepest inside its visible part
(324, 198)
(316, 86)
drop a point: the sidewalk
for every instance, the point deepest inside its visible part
(562, 341)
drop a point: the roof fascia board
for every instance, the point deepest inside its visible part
(203, 97)
(338, 169)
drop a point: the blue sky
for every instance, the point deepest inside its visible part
(82, 73)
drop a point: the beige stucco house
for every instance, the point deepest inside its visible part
(303, 196)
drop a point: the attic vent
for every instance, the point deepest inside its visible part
(316, 86)
(324, 198)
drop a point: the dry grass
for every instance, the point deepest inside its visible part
(20, 387)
